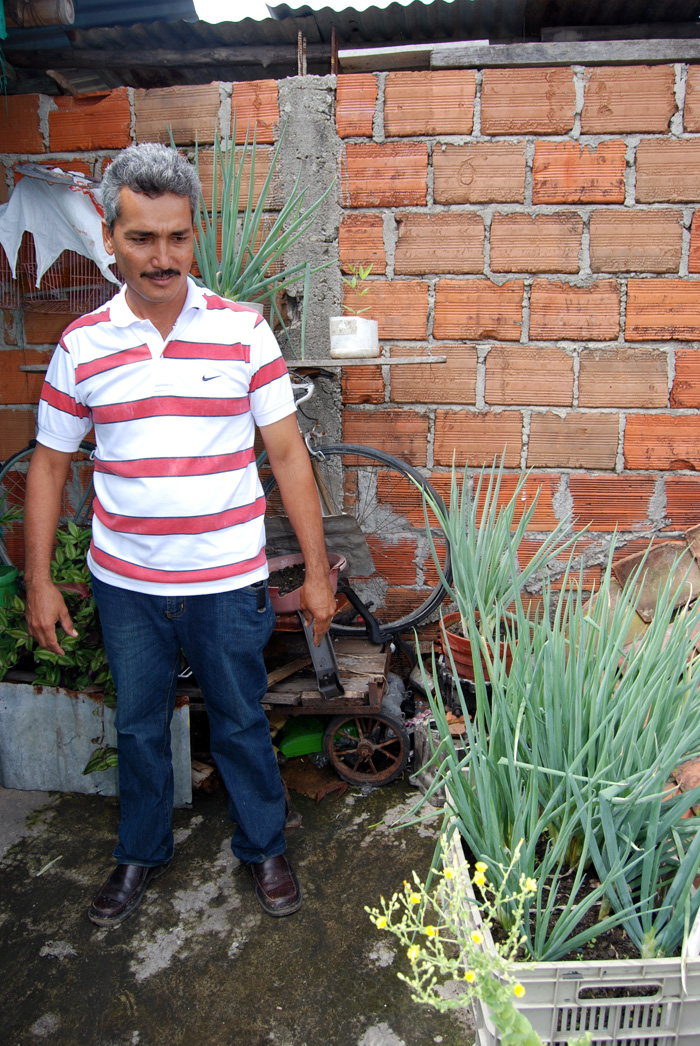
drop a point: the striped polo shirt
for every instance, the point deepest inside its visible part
(178, 504)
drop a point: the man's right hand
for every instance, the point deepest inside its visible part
(45, 608)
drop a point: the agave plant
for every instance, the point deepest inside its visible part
(240, 245)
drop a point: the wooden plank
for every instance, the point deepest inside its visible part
(593, 52)
(278, 674)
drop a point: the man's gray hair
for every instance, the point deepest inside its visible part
(152, 169)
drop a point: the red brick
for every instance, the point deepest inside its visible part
(485, 172)
(17, 427)
(444, 242)
(400, 432)
(395, 562)
(9, 326)
(20, 386)
(451, 382)
(536, 243)
(362, 385)
(429, 102)
(361, 242)
(607, 503)
(544, 517)
(263, 160)
(527, 101)
(668, 171)
(682, 500)
(623, 377)
(686, 382)
(478, 309)
(620, 99)
(578, 440)
(191, 112)
(255, 107)
(391, 175)
(567, 172)
(662, 441)
(560, 310)
(477, 437)
(91, 121)
(45, 328)
(399, 307)
(4, 192)
(529, 374)
(694, 253)
(635, 240)
(662, 309)
(691, 114)
(19, 124)
(356, 100)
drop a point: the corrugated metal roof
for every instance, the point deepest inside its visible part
(268, 48)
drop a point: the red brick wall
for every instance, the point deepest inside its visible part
(537, 227)
(552, 230)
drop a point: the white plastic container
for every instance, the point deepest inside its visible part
(563, 1000)
(354, 337)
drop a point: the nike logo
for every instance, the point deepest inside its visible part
(211, 377)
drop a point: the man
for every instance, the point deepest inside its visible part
(175, 379)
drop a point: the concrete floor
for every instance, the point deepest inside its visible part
(199, 963)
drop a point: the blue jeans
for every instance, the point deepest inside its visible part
(222, 636)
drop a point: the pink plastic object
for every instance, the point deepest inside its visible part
(288, 603)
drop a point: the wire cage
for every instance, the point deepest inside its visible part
(72, 284)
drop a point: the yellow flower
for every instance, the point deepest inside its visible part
(481, 867)
(531, 884)
(476, 937)
(413, 952)
(479, 879)
(381, 922)
(414, 898)
(448, 873)
(430, 931)
(518, 991)
(470, 976)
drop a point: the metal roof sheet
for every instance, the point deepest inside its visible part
(269, 46)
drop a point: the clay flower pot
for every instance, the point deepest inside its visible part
(461, 648)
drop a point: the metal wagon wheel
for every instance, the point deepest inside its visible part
(370, 748)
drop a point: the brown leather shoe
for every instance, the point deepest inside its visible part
(122, 893)
(276, 886)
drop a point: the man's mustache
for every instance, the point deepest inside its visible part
(159, 273)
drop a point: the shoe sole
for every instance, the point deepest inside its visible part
(115, 920)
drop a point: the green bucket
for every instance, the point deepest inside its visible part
(8, 584)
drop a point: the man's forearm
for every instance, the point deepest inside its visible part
(45, 482)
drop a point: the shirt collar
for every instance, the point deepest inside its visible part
(121, 315)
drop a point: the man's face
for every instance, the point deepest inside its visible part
(153, 244)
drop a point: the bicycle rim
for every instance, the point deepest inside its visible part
(385, 496)
(76, 501)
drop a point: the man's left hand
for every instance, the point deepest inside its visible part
(317, 601)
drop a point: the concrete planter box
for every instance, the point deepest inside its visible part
(630, 1002)
(47, 735)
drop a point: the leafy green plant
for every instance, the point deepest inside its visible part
(571, 751)
(443, 930)
(8, 517)
(484, 537)
(358, 274)
(240, 245)
(83, 664)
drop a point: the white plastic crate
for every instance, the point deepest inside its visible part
(563, 1000)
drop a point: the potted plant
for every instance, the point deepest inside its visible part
(565, 777)
(354, 336)
(240, 243)
(8, 572)
(489, 578)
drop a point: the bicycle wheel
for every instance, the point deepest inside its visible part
(76, 502)
(384, 496)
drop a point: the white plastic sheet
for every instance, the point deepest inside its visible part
(60, 218)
